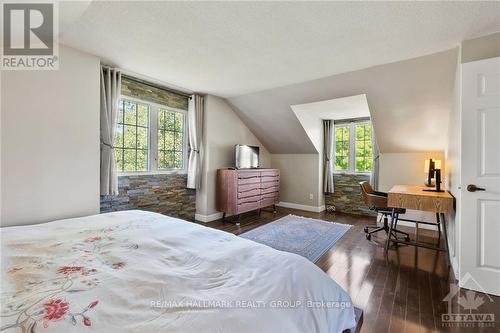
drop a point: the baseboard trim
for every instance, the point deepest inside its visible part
(207, 218)
(315, 209)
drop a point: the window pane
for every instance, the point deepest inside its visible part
(129, 160)
(142, 115)
(119, 118)
(363, 148)
(169, 157)
(360, 132)
(178, 160)
(161, 160)
(170, 119)
(161, 140)
(342, 148)
(161, 118)
(142, 160)
(142, 138)
(130, 136)
(169, 140)
(179, 121)
(118, 136)
(338, 147)
(360, 164)
(178, 141)
(130, 113)
(119, 159)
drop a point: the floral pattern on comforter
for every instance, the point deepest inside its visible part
(45, 281)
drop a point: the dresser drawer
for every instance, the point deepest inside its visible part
(272, 195)
(248, 187)
(268, 202)
(268, 184)
(271, 173)
(270, 189)
(254, 198)
(249, 193)
(250, 174)
(266, 179)
(248, 206)
(253, 178)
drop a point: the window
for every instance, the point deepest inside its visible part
(353, 147)
(364, 148)
(170, 140)
(342, 148)
(132, 139)
(149, 137)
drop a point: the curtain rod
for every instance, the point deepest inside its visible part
(351, 120)
(147, 83)
(154, 85)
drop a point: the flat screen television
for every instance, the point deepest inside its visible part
(246, 157)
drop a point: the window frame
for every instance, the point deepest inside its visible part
(352, 146)
(153, 140)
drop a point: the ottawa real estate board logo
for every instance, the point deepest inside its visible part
(466, 310)
(29, 36)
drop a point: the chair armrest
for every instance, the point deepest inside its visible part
(380, 194)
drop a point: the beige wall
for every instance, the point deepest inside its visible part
(222, 130)
(50, 141)
(481, 48)
(300, 177)
(404, 168)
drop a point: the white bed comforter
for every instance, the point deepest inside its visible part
(137, 271)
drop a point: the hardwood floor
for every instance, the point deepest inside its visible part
(401, 294)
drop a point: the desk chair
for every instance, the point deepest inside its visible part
(377, 201)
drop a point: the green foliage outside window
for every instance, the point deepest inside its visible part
(342, 148)
(364, 159)
(131, 137)
(362, 144)
(170, 139)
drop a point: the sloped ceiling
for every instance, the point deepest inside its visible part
(409, 102)
(234, 48)
(310, 115)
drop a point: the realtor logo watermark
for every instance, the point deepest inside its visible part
(29, 36)
(471, 302)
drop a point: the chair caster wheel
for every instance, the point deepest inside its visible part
(366, 229)
(368, 236)
(407, 238)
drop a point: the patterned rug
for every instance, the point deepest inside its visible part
(307, 237)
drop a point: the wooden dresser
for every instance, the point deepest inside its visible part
(240, 191)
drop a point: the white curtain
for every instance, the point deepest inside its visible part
(195, 129)
(328, 155)
(110, 98)
(375, 166)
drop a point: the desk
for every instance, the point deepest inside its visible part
(414, 197)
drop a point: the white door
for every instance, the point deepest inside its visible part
(480, 169)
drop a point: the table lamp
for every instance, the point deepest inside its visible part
(433, 170)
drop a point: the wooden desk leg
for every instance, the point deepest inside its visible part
(388, 241)
(445, 238)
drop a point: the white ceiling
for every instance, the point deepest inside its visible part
(310, 115)
(234, 48)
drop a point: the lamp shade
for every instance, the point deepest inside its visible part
(437, 165)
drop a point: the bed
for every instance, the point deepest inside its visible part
(145, 272)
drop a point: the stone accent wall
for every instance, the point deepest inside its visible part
(161, 193)
(149, 93)
(347, 196)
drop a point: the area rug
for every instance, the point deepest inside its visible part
(310, 238)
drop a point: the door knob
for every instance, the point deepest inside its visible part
(474, 188)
